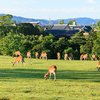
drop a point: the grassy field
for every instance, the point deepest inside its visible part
(76, 80)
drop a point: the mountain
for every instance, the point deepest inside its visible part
(82, 20)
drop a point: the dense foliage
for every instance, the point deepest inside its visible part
(26, 37)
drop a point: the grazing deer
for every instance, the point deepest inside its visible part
(58, 55)
(44, 56)
(98, 66)
(52, 70)
(70, 56)
(21, 59)
(93, 57)
(65, 56)
(85, 57)
(29, 54)
(36, 55)
(16, 53)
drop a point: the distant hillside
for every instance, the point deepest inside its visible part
(82, 20)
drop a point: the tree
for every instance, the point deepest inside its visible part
(5, 24)
(12, 43)
(77, 40)
(39, 28)
(71, 22)
(6, 20)
(87, 48)
(43, 44)
(96, 47)
(98, 23)
(59, 46)
(27, 29)
(61, 22)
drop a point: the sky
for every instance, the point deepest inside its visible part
(51, 9)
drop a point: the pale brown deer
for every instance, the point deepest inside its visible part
(44, 55)
(58, 55)
(52, 71)
(93, 57)
(65, 56)
(85, 57)
(37, 55)
(29, 54)
(17, 60)
(17, 53)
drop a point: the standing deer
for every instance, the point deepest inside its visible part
(36, 55)
(44, 56)
(52, 70)
(98, 66)
(65, 56)
(16, 53)
(58, 55)
(17, 59)
(81, 57)
(29, 54)
(70, 56)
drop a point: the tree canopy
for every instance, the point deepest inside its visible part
(71, 22)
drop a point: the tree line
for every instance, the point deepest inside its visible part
(25, 37)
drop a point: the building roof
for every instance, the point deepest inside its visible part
(33, 23)
(46, 26)
(66, 30)
(62, 32)
(58, 26)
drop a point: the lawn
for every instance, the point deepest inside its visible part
(76, 80)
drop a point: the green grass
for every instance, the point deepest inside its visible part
(76, 80)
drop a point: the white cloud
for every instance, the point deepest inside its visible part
(11, 10)
(91, 1)
(15, 2)
(64, 10)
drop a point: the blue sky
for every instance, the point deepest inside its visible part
(51, 9)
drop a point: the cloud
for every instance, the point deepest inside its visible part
(64, 10)
(91, 1)
(15, 2)
(11, 10)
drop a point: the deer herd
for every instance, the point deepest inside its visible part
(52, 70)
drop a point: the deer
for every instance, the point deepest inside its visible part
(98, 66)
(85, 57)
(52, 70)
(70, 56)
(29, 54)
(36, 55)
(58, 55)
(65, 56)
(81, 57)
(93, 57)
(18, 59)
(16, 53)
(44, 56)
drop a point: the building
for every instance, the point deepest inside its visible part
(66, 30)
